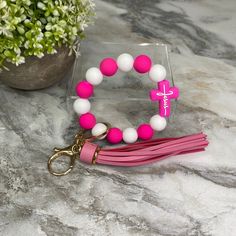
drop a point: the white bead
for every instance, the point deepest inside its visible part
(125, 62)
(94, 76)
(158, 123)
(130, 135)
(157, 73)
(81, 106)
(99, 129)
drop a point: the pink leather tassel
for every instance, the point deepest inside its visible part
(142, 153)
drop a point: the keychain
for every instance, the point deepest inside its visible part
(135, 153)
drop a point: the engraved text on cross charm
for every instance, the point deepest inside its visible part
(163, 94)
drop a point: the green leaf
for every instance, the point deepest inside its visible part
(3, 4)
(28, 34)
(20, 30)
(7, 53)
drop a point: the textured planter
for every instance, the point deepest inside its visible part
(38, 73)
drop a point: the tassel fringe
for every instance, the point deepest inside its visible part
(147, 152)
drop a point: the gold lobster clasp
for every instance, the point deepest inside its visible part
(72, 152)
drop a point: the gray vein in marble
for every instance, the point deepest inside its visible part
(175, 28)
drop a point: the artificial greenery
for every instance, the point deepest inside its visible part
(33, 28)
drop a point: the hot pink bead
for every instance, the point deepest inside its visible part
(84, 89)
(108, 66)
(142, 64)
(114, 135)
(87, 121)
(145, 131)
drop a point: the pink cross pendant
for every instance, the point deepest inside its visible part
(163, 94)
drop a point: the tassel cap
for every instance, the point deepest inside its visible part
(89, 152)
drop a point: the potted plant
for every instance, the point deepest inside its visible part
(37, 39)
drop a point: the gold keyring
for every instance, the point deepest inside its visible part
(57, 155)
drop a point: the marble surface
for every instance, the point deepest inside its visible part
(191, 195)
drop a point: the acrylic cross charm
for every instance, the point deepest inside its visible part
(163, 94)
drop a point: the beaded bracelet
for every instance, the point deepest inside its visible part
(108, 67)
(133, 154)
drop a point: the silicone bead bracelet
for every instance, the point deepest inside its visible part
(108, 67)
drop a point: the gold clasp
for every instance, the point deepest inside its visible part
(71, 152)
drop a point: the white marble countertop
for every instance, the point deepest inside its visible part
(192, 195)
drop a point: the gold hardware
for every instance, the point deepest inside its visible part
(73, 151)
(95, 156)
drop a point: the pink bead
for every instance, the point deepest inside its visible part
(108, 66)
(145, 131)
(87, 121)
(114, 135)
(84, 89)
(142, 64)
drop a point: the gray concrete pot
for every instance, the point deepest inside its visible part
(38, 73)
